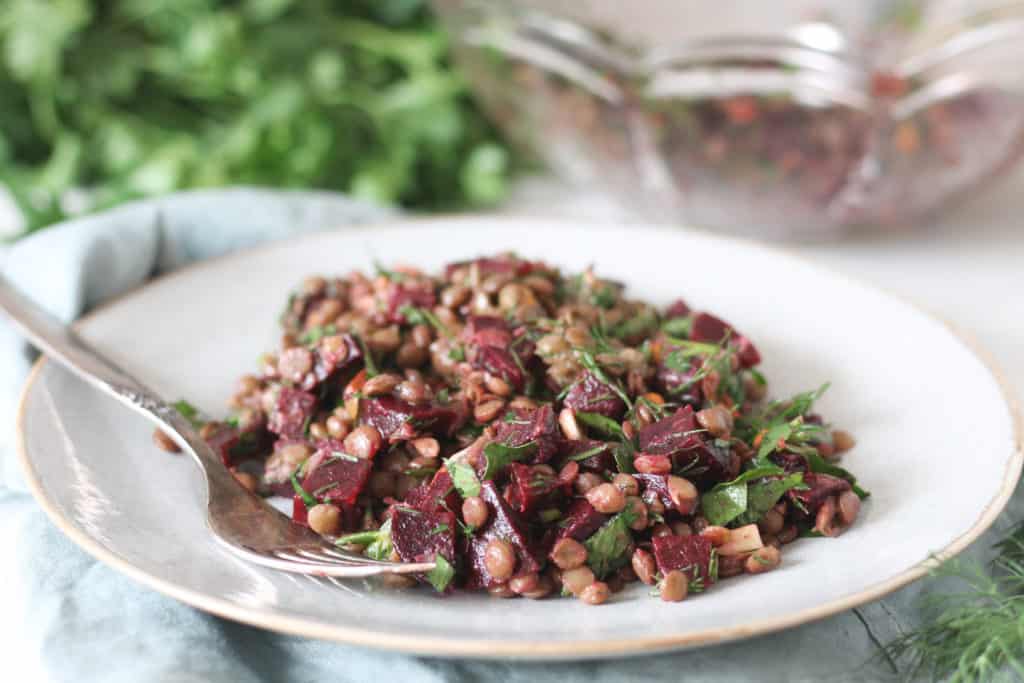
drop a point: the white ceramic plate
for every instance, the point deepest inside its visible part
(938, 444)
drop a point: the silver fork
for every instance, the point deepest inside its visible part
(244, 523)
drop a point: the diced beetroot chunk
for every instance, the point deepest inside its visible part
(405, 295)
(489, 266)
(326, 363)
(434, 495)
(235, 446)
(485, 330)
(299, 511)
(500, 363)
(503, 523)
(332, 474)
(672, 382)
(223, 441)
(747, 353)
(708, 328)
(709, 461)
(600, 461)
(670, 435)
(537, 425)
(591, 395)
(397, 420)
(580, 521)
(790, 462)
(677, 309)
(688, 554)
(657, 484)
(293, 408)
(528, 489)
(821, 486)
(694, 455)
(420, 535)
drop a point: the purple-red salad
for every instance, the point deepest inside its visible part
(535, 433)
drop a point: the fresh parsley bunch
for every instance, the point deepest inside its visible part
(107, 100)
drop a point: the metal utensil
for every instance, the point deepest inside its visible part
(241, 521)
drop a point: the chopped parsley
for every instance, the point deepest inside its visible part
(606, 547)
(601, 423)
(463, 478)
(440, 577)
(589, 453)
(307, 498)
(745, 499)
(624, 455)
(315, 334)
(678, 327)
(499, 455)
(415, 315)
(188, 411)
(389, 274)
(368, 363)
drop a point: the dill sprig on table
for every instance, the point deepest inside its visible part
(977, 632)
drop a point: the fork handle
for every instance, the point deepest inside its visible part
(59, 342)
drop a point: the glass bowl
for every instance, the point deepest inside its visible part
(781, 120)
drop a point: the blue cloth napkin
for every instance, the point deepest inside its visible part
(85, 622)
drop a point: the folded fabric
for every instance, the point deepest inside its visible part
(85, 622)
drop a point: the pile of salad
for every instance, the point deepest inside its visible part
(532, 432)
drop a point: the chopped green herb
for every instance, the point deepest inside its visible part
(415, 315)
(457, 354)
(324, 489)
(635, 326)
(713, 565)
(340, 455)
(762, 496)
(380, 548)
(722, 505)
(750, 475)
(443, 396)
(499, 455)
(550, 515)
(371, 367)
(605, 297)
(389, 274)
(315, 334)
(440, 577)
(364, 538)
(744, 500)
(606, 547)
(590, 452)
(232, 421)
(188, 411)
(624, 454)
(463, 478)
(601, 423)
(307, 499)
(439, 529)
(678, 327)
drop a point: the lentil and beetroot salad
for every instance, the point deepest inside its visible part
(535, 433)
